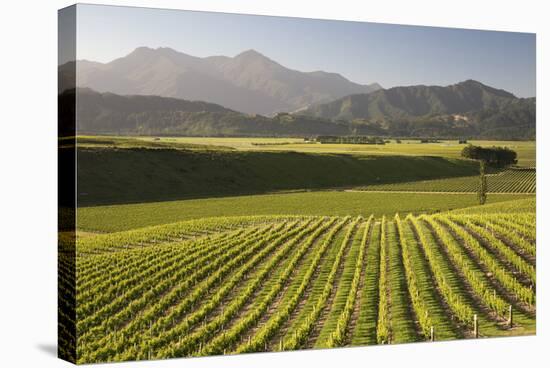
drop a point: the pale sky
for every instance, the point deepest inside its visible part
(392, 55)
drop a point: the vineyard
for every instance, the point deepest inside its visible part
(274, 283)
(520, 180)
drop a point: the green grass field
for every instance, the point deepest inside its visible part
(110, 175)
(525, 149)
(320, 203)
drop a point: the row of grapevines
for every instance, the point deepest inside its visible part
(460, 308)
(509, 282)
(140, 260)
(190, 343)
(420, 308)
(365, 329)
(120, 309)
(526, 219)
(337, 338)
(265, 333)
(99, 265)
(496, 244)
(521, 230)
(383, 326)
(161, 233)
(157, 266)
(507, 232)
(154, 318)
(403, 327)
(228, 338)
(303, 331)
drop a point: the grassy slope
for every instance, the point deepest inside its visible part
(110, 175)
(124, 217)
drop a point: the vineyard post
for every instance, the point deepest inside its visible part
(281, 344)
(510, 316)
(432, 335)
(476, 327)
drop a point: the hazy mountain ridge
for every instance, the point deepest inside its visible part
(248, 82)
(108, 113)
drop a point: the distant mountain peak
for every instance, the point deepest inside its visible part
(142, 50)
(252, 56)
(472, 83)
(251, 53)
(249, 82)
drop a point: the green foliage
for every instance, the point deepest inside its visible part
(338, 336)
(358, 139)
(511, 283)
(419, 306)
(493, 156)
(303, 331)
(229, 289)
(498, 247)
(365, 329)
(383, 331)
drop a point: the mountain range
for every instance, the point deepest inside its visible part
(469, 107)
(414, 101)
(165, 92)
(249, 82)
(500, 117)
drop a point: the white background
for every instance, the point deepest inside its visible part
(28, 187)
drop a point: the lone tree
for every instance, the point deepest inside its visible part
(495, 157)
(492, 156)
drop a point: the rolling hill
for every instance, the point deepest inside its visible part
(109, 113)
(469, 108)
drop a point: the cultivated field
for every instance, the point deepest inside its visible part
(271, 283)
(444, 148)
(315, 203)
(502, 181)
(204, 246)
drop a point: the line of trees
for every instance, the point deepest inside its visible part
(355, 139)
